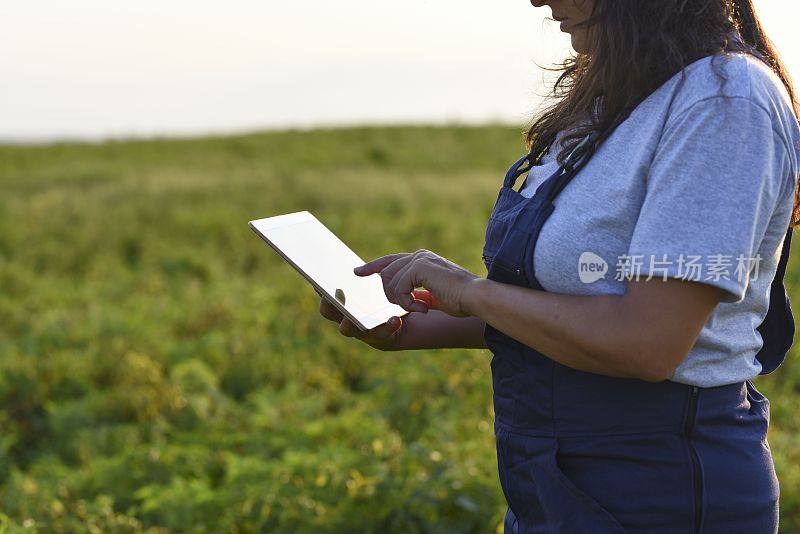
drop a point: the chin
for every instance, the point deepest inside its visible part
(578, 44)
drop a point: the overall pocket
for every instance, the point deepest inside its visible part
(540, 495)
(759, 408)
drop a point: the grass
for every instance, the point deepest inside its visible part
(162, 370)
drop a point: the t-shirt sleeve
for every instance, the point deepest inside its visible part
(712, 188)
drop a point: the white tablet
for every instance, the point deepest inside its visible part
(325, 261)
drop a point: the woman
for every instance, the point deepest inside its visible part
(623, 348)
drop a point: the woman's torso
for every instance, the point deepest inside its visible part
(691, 177)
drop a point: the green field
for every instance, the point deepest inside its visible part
(162, 370)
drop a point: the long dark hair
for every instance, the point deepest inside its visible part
(636, 47)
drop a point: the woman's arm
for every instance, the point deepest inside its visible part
(645, 333)
(437, 330)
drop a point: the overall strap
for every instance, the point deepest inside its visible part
(777, 330)
(576, 160)
(580, 156)
(519, 168)
(780, 273)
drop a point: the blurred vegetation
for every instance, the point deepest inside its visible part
(162, 370)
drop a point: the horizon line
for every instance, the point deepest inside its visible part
(187, 135)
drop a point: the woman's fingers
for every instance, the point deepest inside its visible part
(329, 311)
(376, 266)
(380, 337)
(348, 329)
(398, 292)
(386, 331)
(391, 270)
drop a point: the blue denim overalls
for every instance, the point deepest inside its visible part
(584, 453)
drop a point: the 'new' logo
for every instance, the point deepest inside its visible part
(591, 268)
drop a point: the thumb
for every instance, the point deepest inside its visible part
(394, 324)
(388, 329)
(427, 297)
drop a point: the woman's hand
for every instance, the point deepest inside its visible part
(385, 337)
(416, 331)
(445, 282)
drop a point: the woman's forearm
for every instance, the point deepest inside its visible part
(643, 334)
(437, 330)
(568, 329)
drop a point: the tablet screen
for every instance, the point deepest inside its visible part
(325, 260)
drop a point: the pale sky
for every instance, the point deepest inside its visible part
(117, 68)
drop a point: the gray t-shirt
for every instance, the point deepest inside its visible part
(697, 184)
